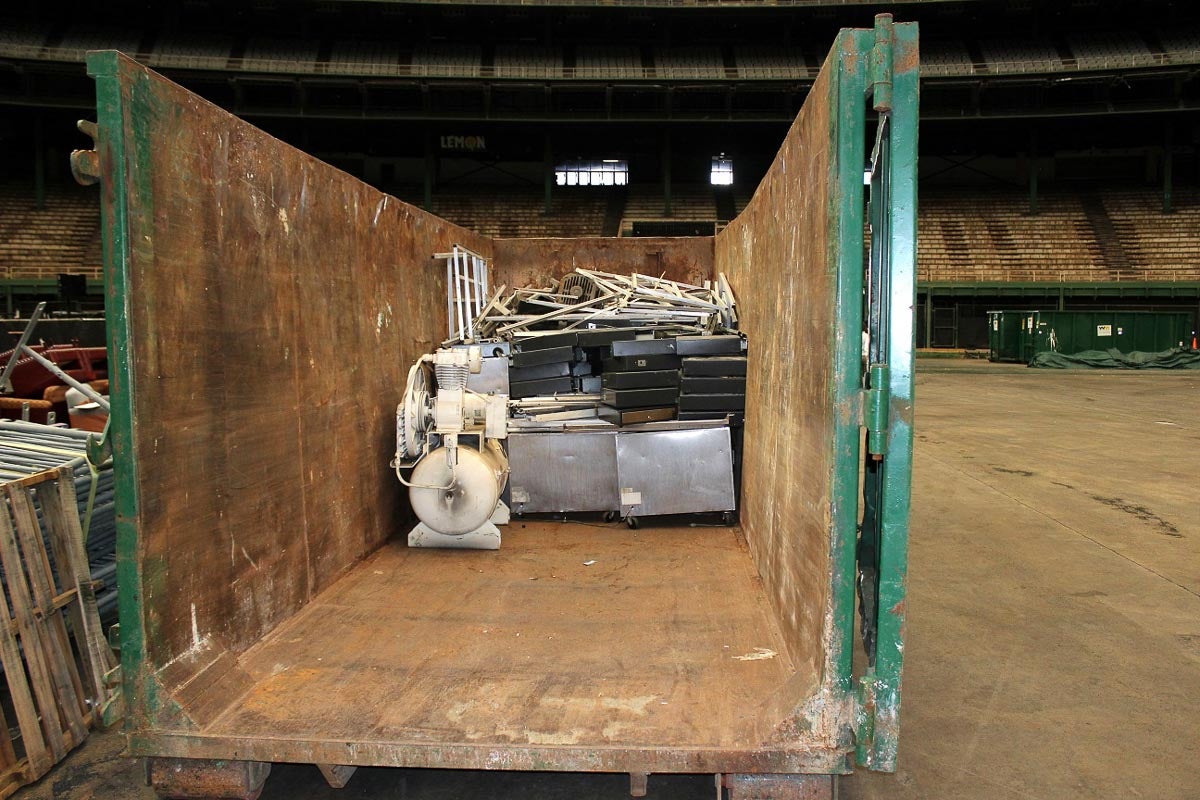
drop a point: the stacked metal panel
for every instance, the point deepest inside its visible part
(28, 448)
(713, 385)
(548, 364)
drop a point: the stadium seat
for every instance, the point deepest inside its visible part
(192, 51)
(689, 203)
(522, 61)
(297, 56)
(78, 40)
(946, 58)
(23, 40)
(1159, 247)
(1181, 45)
(965, 235)
(689, 63)
(1105, 50)
(770, 63)
(1013, 55)
(360, 57)
(447, 60)
(509, 212)
(62, 237)
(608, 62)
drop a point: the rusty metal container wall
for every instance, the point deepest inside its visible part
(270, 300)
(535, 262)
(777, 254)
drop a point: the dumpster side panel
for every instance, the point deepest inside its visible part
(269, 308)
(1004, 335)
(536, 262)
(1126, 331)
(776, 255)
(1151, 332)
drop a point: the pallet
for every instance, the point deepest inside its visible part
(57, 663)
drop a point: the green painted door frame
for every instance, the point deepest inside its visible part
(890, 387)
(879, 67)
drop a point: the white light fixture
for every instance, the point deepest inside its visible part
(722, 171)
(601, 172)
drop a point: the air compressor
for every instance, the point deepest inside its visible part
(450, 439)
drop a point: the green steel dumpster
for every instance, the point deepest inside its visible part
(1071, 332)
(1004, 335)
(263, 311)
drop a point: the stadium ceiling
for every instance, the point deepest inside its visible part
(684, 4)
(1131, 93)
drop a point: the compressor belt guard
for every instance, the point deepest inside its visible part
(450, 440)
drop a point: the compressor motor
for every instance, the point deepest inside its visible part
(450, 438)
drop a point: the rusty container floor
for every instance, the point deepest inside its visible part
(571, 634)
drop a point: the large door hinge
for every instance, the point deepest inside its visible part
(875, 410)
(881, 64)
(85, 164)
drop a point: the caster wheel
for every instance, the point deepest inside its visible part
(632, 522)
(611, 516)
(727, 518)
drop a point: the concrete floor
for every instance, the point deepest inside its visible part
(1054, 612)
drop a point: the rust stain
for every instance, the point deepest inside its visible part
(255, 265)
(906, 57)
(776, 256)
(197, 779)
(536, 262)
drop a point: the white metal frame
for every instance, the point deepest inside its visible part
(466, 290)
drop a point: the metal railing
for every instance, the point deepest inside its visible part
(798, 71)
(1090, 275)
(1083, 63)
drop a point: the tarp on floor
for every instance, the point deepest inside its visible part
(1175, 358)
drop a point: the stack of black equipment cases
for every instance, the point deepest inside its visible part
(713, 385)
(641, 381)
(546, 365)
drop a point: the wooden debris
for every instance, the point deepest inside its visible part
(55, 658)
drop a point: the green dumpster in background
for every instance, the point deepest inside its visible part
(1020, 335)
(1127, 331)
(1004, 335)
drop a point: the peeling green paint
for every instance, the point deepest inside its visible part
(849, 137)
(141, 691)
(879, 718)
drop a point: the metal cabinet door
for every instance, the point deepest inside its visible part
(563, 472)
(676, 472)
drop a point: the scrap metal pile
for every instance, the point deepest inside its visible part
(615, 347)
(645, 374)
(588, 299)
